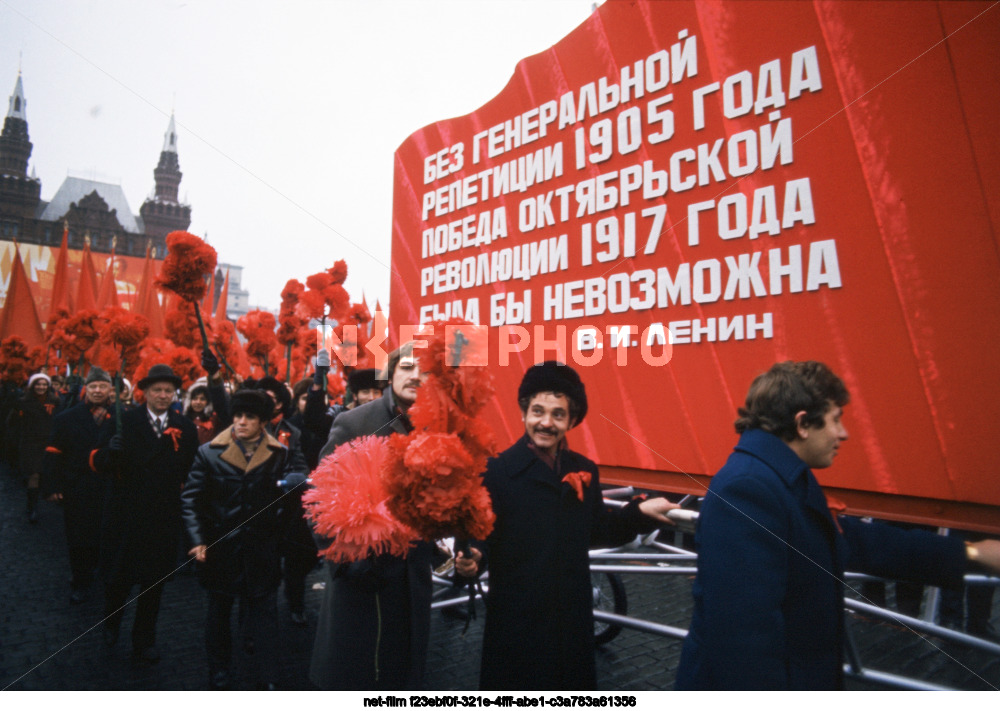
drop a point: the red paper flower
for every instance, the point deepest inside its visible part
(359, 314)
(226, 344)
(36, 358)
(80, 331)
(288, 322)
(123, 329)
(14, 360)
(579, 481)
(325, 297)
(189, 264)
(348, 503)
(258, 328)
(434, 473)
(181, 325)
(338, 272)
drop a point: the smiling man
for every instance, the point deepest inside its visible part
(539, 631)
(768, 599)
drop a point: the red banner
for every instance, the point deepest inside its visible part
(679, 194)
(40, 266)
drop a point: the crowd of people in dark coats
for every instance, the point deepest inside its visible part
(219, 473)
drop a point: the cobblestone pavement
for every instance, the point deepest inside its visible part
(48, 644)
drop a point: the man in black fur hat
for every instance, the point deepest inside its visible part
(234, 515)
(364, 386)
(539, 630)
(146, 464)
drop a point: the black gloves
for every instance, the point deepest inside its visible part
(116, 443)
(209, 362)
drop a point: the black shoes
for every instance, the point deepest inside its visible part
(110, 635)
(145, 657)
(218, 681)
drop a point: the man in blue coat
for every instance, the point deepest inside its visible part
(768, 598)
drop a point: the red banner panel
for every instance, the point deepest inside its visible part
(40, 266)
(678, 194)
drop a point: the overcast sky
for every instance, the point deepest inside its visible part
(288, 114)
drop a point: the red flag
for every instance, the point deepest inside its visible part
(19, 315)
(86, 294)
(154, 312)
(223, 305)
(141, 303)
(61, 298)
(108, 295)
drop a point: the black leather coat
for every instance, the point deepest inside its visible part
(236, 508)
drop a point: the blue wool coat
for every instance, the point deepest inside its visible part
(769, 594)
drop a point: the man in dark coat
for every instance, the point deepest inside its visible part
(233, 511)
(67, 476)
(147, 464)
(374, 623)
(539, 631)
(771, 558)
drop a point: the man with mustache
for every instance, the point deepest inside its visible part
(539, 631)
(374, 623)
(769, 598)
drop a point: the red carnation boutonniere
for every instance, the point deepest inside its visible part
(175, 435)
(284, 436)
(579, 481)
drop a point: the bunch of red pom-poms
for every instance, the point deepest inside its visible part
(430, 479)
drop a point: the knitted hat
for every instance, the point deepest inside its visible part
(556, 377)
(39, 376)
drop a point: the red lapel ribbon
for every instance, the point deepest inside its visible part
(579, 481)
(175, 435)
(837, 508)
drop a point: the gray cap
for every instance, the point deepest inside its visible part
(97, 375)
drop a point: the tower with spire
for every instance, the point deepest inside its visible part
(19, 193)
(163, 212)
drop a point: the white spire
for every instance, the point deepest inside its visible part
(170, 137)
(17, 102)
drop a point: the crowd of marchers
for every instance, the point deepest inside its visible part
(216, 474)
